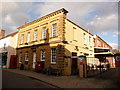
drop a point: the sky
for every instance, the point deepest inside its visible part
(99, 18)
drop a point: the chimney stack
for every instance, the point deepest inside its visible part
(2, 33)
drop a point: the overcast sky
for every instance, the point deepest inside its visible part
(99, 18)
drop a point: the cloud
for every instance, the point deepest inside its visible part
(89, 15)
(114, 45)
(116, 34)
(105, 33)
(14, 15)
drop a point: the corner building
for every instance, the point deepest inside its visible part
(54, 40)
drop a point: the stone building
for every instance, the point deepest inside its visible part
(54, 40)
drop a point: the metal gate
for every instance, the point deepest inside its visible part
(95, 67)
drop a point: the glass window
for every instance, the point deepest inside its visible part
(54, 28)
(90, 43)
(84, 37)
(22, 39)
(26, 56)
(44, 33)
(43, 55)
(35, 35)
(28, 37)
(20, 57)
(53, 55)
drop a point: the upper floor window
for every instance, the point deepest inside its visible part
(35, 35)
(90, 41)
(20, 57)
(44, 33)
(43, 55)
(22, 39)
(54, 29)
(53, 55)
(28, 37)
(84, 37)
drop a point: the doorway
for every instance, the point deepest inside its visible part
(34, 59)
(74, 68)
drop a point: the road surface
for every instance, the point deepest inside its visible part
(13, 80)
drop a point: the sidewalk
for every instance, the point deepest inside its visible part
(68, 81)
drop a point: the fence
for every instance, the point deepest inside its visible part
(94, 67)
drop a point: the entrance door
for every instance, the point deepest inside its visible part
(74, 68)
(34, 59)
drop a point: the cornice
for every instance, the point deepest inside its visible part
(44, 17)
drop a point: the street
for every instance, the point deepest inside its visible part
(13, 80)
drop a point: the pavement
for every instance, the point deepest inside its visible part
(108, 80)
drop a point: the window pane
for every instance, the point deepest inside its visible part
(35, 35)
(42, 55)
(28, 39)
(22, 39)
(20, 57)
(44, 33)
(54, 27)
(26, 56)
(53, 55)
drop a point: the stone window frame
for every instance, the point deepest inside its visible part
(26, 56)
(90, 41)
(22, 38)
(54, 30)
(35, 35)
(44, 32)
(53, 55)
(43, 52)
(28, 37)
(84, 38)
(20, 57)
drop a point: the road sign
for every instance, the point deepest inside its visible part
(117, 60)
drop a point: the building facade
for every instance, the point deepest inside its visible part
(55, 41)
(100, 46)
(8, 46)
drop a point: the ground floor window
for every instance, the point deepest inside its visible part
(26, 57)
(53, 55)
(20, 57)
(4, 58)
(43, 55)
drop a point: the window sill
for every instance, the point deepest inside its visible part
(91, 46)
(43, 39)
(21, 44)
(34, 41)
(53, 63)
(85, 44)
(53, 37)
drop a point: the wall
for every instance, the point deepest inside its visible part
(74, 37)
(47, 22)
(101, 43)
(12, 48)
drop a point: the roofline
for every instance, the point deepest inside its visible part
(2, 30)
(103, 41)
(79, 26)
(44, 17)
(12, 34)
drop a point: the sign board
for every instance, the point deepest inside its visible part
(74, 56)
(81, 63)
(117, 60)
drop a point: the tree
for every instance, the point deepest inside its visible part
(116, 51)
